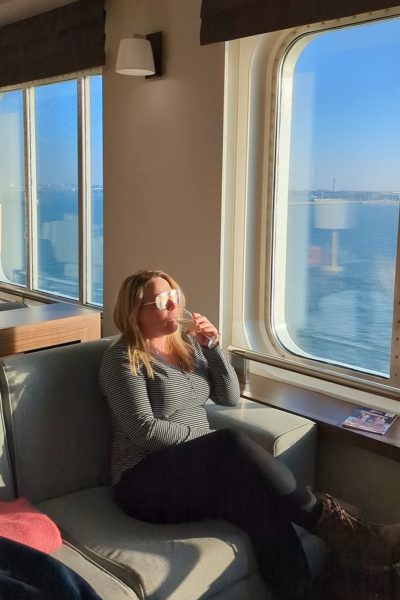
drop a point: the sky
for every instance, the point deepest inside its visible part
(346, 110)
(56, 130)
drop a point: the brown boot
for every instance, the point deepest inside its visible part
(354, 542)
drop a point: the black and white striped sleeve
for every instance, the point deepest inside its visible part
(129, 402)
(224, 383)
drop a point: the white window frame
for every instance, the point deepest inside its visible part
(251, 95)
(84, 188)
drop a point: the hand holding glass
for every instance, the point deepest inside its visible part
(188, 325)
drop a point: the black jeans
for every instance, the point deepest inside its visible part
(225, 475)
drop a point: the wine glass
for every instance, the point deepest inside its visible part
(185, 320)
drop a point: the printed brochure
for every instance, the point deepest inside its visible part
(369, 419)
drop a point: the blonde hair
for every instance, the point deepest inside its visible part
(125, 315)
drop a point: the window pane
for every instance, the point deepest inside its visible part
(95, 235)
(340, 196)
(57, 188)
(12, 189)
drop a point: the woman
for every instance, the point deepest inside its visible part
(168, 466)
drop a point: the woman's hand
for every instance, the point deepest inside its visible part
(205, 331)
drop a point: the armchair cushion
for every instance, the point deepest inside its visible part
(190, 561)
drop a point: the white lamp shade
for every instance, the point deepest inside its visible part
(135, 57)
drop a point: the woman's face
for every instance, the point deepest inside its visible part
(154, 323)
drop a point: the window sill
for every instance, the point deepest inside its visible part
(328, 412)
(11, 292)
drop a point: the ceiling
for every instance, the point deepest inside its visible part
(16, 10)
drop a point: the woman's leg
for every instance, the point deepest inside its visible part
(226, 475)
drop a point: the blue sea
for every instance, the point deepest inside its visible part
(58, 252)
(340, 259)
(56, 206)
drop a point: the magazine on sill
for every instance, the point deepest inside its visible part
(369, 419)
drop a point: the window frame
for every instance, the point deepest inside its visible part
(83, 169)
(252, 92)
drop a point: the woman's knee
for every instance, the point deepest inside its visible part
(232, 436)
(239, 449)
(234, 441)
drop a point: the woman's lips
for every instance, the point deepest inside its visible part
(169, 321)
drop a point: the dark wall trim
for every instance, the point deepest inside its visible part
(64, 40)
(223, 20)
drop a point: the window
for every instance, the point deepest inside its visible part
(312, 198)
(51, 190)
(337, 196)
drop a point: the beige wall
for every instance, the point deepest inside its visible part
(163, 155)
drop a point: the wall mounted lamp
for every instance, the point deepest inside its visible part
(140, 55)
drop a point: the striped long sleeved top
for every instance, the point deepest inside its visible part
(152, 414)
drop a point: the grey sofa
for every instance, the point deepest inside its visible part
(55, 431)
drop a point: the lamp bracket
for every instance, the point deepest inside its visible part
(155, 40)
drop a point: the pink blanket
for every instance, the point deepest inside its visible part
(22, 522)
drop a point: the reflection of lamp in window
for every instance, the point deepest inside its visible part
(334, 215)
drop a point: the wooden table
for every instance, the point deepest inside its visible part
(47, 325)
